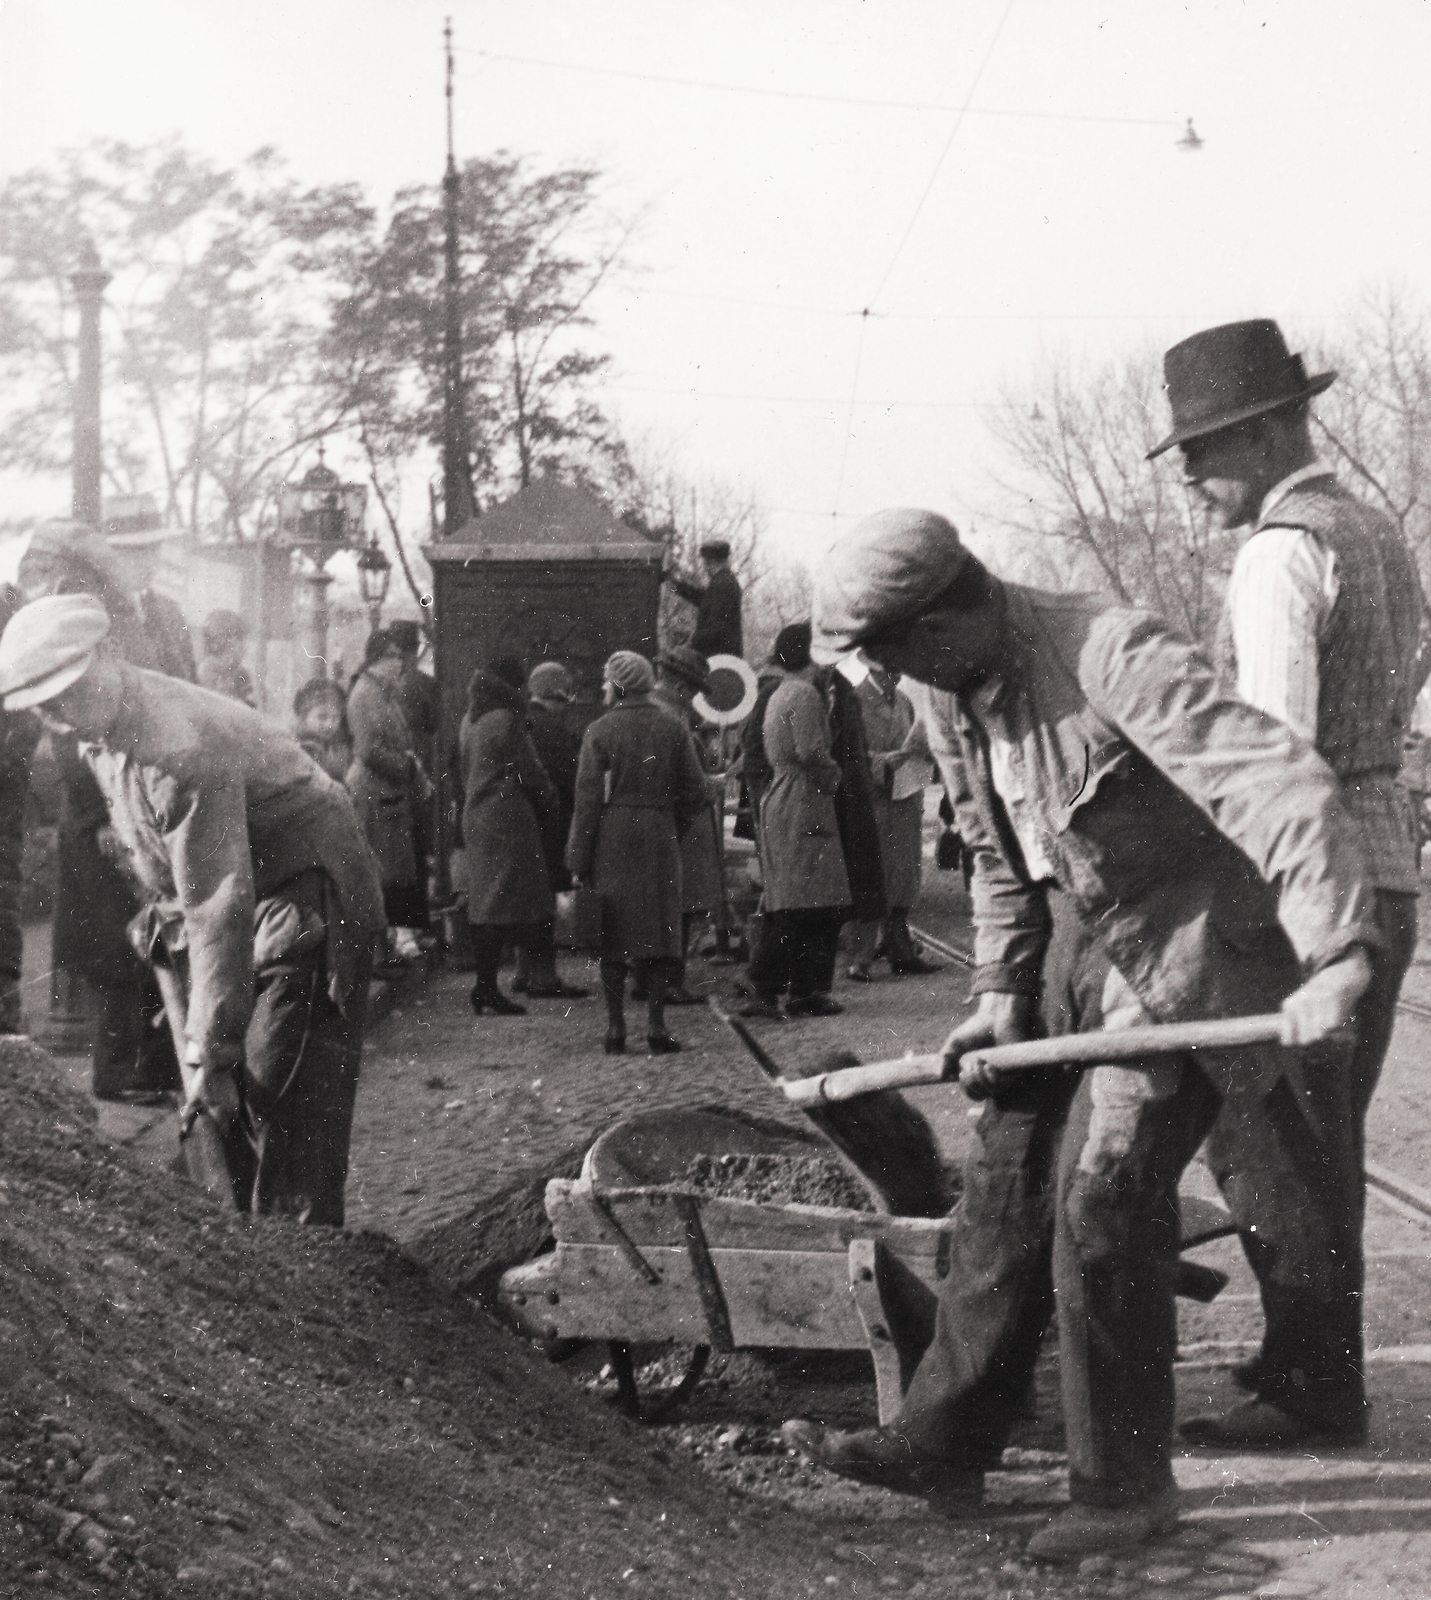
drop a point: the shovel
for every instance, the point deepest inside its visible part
(1069, 1049)
(201, 1141)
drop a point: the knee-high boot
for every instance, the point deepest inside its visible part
(660, 979)
(613, 992)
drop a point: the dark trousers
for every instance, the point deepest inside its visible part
(1312, 1278)
(287, 1152)
(133, 1048)
(796, 950)
(1031, 1233)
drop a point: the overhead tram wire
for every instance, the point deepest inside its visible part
(812, 95)
(899, 250)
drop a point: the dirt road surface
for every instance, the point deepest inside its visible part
(199, 1404)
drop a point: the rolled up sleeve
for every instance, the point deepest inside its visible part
(205, 830)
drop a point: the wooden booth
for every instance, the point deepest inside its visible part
(549, 575)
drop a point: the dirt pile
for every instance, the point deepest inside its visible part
(199, 1403)
(779, 1180)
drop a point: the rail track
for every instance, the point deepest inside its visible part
(1400, 1194)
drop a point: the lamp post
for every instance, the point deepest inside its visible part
(374, 573)
(317, 517)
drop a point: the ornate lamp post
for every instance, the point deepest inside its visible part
(317, 517)
(374, 573)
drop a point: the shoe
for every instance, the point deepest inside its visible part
(615, 1044)
(496, 1002)
(859, 974)
(1091, 1530)
(662, 1044)
(882, 1457)
(813, 1005)
(519, 986)
(1260, 1425)
(1248, 1375)
(684, 997)
(557, 991)
(760, 1007)
(913, 966)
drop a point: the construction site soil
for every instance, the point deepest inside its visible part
(199, 1403)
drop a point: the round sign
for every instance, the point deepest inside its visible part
(729, 694)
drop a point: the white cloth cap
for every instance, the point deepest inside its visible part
(48, 645)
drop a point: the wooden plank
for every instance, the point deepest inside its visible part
(651, 1216)
(780, 1298)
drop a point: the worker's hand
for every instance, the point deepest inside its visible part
(1326, 1001)
(212, 1090)
(1000, 1019)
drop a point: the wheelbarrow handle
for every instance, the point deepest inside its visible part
(1071, 1049)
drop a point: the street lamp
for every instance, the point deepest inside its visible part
(317, 517)
(374, 573)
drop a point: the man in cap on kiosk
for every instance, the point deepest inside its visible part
(1322, 628)
(261, 896)
(1093, 747)
(718, 630)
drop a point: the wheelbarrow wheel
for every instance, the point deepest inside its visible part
(656, 1407)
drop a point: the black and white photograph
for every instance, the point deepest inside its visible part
(715, 752)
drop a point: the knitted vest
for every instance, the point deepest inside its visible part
(1368, 646)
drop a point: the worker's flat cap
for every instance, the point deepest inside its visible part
(47, 646)
(887, 568)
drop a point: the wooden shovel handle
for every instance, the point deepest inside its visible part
(1071, 1049)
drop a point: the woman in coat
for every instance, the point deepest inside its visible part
(638, 786)
(806, 886)
(383, 780)
(506, 794)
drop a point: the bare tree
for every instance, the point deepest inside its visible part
(1375, 421)
(1074, 443)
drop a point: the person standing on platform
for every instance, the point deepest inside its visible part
(132, 1055)
(719, 630)
(638, 787)
(387, 783)
(262, 905)
(320, 724)
(806, 886)
(897, 774)
(1323, 628)
(506, 797)
(555, 732)
(682, 674)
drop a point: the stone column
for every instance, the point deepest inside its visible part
(86, 472)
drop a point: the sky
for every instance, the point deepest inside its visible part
(859, 223)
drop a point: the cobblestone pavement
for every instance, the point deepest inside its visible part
(455, 1113)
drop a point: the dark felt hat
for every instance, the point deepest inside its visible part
(686, 663)
(1223, 376)
(716, 549)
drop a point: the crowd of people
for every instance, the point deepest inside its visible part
(1153, 835)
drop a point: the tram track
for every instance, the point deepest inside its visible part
(1398, 1193)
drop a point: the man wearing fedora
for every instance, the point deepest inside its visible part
(718, 630)
(1153, 849)
(1322, 628)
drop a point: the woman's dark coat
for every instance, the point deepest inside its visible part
(638, 786)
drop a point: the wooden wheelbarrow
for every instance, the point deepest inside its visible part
(641, 1257)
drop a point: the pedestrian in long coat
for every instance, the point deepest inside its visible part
(803, 864)
(898, 767)
(681, 674)
(638, 785)
(506, 792)
(384, 779)
(555, 727)
(260, 898)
